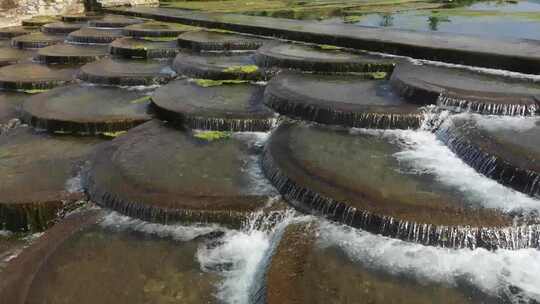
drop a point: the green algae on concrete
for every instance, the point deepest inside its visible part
(227, 107)
(28, 201)
(71, 54)
(158, 173)
(32, 76)
(86, 110)
(126, 72)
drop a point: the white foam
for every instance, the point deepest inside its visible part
(492, 272)
(245, 252)
(498, 123)
(177, 232)
(423, 153)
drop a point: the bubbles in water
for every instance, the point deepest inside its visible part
(509, 274)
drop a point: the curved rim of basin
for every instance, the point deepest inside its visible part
(21, 271)
(466, 90)
(33, 76)
(217, 66)
(65, 53)
(427, 225)
(10, 56)
(94, 35)
(112, 180)
(39, 20)
(508, 164)
(27, 204)
(14, 31)
(204, 40)
(36, 40)
(364, 107)
(44, 112)
(155, 29)
(61, 27)
(316, 59)
(187, 103)
(113, 21)
(140, 48)
(126, 72)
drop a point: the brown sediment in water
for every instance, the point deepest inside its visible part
(161, 174)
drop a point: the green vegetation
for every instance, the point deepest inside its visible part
(159, 39)
(143, 99)
(244, 69)
(212, 135)
(212, 83)
(113, 134)
(34, 91)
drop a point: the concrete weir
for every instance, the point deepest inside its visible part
(353, 101)
(218, 66)
(32, 76)
(85, 247)
(504, 149)
(519, 55)
(160, 174)
(29, 202)
(466, 90)
(226, 107)
(86, 110)
(355, 179)
(65, 53)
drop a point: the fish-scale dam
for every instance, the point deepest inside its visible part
(153, 155)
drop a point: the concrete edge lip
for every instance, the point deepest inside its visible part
(518, 55)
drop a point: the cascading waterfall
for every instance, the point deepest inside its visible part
(448, 100)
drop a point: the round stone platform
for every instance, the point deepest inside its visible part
(466, 90)
(142, 48)
(80, 17)
(39, 20)
(71, 53)
(217, 66)
(10, 104)
(317, 59)
(86, 110)
(94, 35)
(12, 56)
(28, 200)
(352, 101)
(227, 107)
(156, 29)
(506, 149)
(61, 27)
(217, 41)
(307, 268)
(114, 21)
(14, 31)
(161, 174)
(32, 76)
(84, 247)
(126, 72)
(36, 40)
(355, 178)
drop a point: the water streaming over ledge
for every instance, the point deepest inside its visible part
(447, 100)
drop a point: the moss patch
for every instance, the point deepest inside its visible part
(143, 99)
(212, 83)
(212, 135)
(244, 69)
